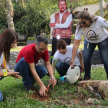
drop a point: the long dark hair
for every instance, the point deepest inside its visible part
(85, 15)
(6, 40)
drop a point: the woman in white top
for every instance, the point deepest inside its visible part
(62, 57)
(93, 29)
(7, 41)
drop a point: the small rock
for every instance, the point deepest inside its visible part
(90, 101)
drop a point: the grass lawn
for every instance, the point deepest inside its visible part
(81, 47)
(63, 95)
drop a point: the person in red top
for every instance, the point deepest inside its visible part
(26, 64)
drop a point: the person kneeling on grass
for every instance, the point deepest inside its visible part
(63, 56)
(26, 65)
(8, 40)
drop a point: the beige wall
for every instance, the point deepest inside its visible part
(92, 8)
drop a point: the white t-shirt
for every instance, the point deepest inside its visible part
(1, 60)
(65, 58)
(97, 31)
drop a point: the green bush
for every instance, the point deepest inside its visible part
(48, 35)
(31, 38)
(73, 37)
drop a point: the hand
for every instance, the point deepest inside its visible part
(52, 24)
(15, 74)
(42, 91)
(71, 62)
(52, 81)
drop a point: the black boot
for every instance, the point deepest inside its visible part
(86, 77)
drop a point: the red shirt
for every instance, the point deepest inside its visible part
(30, 55)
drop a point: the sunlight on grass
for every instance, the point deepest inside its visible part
(81, 47)
(17, 49)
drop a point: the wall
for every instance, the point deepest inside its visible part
(13, 55)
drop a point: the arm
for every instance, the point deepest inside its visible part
(51, 72)
(37, 78)
(64, 25)
(3, 67)
(13, 74)
(9, 73)
(81, 60)
(74, 51)
(52, 22)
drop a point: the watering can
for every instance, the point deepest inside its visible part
(73, 74)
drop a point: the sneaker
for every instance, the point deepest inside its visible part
(86, 77)
(30, 88)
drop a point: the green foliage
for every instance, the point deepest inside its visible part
(31, 38)
(105, 14)
(31, 21)
(86, 2)
(3, 15)
(34, 18)
(72, 37)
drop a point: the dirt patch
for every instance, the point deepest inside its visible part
(36, 95)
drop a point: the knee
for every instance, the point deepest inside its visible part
(58, 65)
(21, 64)
(44, 70)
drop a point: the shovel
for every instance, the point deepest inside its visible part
(48, 86)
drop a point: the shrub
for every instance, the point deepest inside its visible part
(73, 37)
(31, 38)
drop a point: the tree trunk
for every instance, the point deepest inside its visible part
(21, 3)
(10, 14)
(101, 8)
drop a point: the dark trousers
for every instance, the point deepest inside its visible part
(62, 68)
(23, 68)
(54, 43)
(88, 52)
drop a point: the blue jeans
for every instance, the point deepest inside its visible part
(23, 68)
(62, 68)
(103, 49)
(1, 96)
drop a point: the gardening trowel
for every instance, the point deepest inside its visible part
(48, 86)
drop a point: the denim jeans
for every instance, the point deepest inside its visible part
(103, 50)
(62, 68)
(23, 68)
(1, 96)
